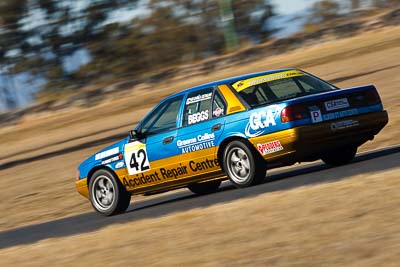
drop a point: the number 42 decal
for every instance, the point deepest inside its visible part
(136, 159)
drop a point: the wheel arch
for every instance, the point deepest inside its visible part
(100, 167)
(225, 142)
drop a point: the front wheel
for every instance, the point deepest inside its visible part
(242, 165)
(204, 188)
(107, 194)
(339, 156)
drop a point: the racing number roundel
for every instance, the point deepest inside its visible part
(136, 159)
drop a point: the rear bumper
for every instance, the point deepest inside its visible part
(309, 142)
(354, 130)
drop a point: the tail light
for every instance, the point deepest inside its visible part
(372, 97)
(294, 112)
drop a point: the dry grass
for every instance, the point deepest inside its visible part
(352, 222)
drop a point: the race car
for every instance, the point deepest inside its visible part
(233, 129)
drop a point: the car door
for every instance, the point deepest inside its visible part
(201, 127)
(153, 158)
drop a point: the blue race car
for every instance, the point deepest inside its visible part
(233, 129)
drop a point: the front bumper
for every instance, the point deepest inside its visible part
(82, 187)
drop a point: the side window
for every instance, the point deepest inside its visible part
(163, 118)
(218, 105)
(197, 107)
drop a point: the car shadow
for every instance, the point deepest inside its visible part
(184, 200)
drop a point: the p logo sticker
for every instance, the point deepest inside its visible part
(316, 116)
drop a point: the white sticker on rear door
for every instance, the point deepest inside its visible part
(316, 116)
(336, 104)
(136, 159)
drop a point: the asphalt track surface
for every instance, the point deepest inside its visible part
(183, 200)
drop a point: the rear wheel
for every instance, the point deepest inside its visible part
(107, 194)
(242, 165)
(339, 156)
(204, 188)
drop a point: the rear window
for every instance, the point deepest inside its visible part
(277, 87)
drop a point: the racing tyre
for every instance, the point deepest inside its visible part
(340, 156)
(242, 165)
(204, 188)
(107, 194)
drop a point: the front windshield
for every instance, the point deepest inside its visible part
(277, 87)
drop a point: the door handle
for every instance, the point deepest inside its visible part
(216, 127)
(168, 140)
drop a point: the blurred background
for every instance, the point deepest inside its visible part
(77, 75)
(54, 49)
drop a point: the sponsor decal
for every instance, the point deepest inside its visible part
(241, 85)
(109, 160)
(119, 165)
(198, 98)
(198, 117)
(261, 120)
(165, 174)
(270, 147)
(141, 179)
(316, 115)
(202, 141)
(203, 165)
(344, 124)
(136, 159)
(218, 112)
(336, 104)
(339, 114)
(106, 153)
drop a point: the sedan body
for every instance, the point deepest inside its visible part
(233, 129)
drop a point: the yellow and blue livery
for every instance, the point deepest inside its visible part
(233, 129)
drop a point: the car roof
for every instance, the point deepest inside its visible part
(228, 81)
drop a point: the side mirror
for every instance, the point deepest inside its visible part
(133, 135)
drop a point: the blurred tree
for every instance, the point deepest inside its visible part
(355, 4)
(41, 34)
(10, 38)
(251, 17)
(228, 24)
(385, 3)
(11, 12)
(325, 10)
(175, 31)
(38, 36)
